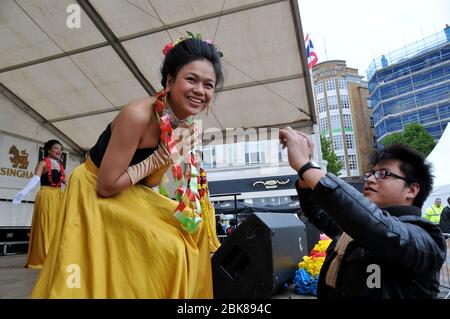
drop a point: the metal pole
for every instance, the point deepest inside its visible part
(235, 208)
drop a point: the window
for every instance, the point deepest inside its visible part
(342, 84)
(438, 75)
(372, 123)
(421, 80)
(345, 102)
(410, 118)
(428, 115)
(377, 114)
(209, 158)
(262, 148)
(251, 153)
(343, 171)
(352, 162)
(406, 103)
(393, 124)
(230, 154)
(444, 111)
(350, 140)
(282, 154)
(347, 121)
(425, 97)
(332, 102)
(391, 107)
(331, 85)
(321, 105)
(342, 160)
(435, 130)
(375, 98)
(335, 122)
(338, 144)
(319, 88)
(388, 91)
(323, 124)
(404, 86)
(374, 141)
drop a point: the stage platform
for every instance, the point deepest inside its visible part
(16, 282)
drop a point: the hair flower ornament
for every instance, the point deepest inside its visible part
(169, 46)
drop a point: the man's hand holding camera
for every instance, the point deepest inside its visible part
(300, 150)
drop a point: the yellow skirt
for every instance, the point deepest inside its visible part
(125, 246)
(43, 225)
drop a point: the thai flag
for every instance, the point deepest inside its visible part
(310, 53)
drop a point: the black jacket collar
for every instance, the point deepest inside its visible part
(403, 210)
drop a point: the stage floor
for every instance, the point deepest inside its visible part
(16, 282)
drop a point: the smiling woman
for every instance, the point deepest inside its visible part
(50, 174)
(122, 236)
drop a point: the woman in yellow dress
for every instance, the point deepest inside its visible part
(50, 174)
(116, 237)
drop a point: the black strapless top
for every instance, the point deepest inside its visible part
(97, 152)
(56, 175)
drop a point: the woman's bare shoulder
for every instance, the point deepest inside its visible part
(137, 112)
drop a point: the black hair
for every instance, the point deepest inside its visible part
(413, 165)
(49, 144)
(187, 51)
(233, 222)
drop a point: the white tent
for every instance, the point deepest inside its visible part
(74, 79)
(440, 157)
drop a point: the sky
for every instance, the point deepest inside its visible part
(360, 30)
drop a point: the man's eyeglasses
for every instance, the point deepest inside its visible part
(382, 173)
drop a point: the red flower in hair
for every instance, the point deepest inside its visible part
(167, 48)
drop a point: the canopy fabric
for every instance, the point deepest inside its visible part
(439, 158)
(75, 80)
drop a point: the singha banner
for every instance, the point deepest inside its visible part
(18, 159)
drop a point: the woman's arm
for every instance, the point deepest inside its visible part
(127, 130)
(41, 168)
(38, 171)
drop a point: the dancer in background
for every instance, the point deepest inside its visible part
(50, 174)
(117, 237)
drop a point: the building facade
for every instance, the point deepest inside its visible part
(343, 114)
(412, 85)
(256, 169)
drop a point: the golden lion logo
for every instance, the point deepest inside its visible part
(18, 159)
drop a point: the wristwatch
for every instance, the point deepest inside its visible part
(307, 166)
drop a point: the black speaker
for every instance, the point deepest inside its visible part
(12, 233)
(14, 240)
(312, 233)
(259, 256)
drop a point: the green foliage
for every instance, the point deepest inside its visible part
(414, 135)
(334, 164)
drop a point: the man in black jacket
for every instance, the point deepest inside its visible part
(382, 247)
(444, 223)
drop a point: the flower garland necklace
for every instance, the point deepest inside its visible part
(187, 183)
(50, 173)
(173, 119)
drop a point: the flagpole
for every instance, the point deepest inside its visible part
(325, 46)
(316, 131)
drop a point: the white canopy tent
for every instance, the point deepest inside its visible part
(69, 83)
(440, 157)
(73, 81)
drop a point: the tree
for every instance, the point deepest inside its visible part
(394, 138)
(334, 164)
(414, 135)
